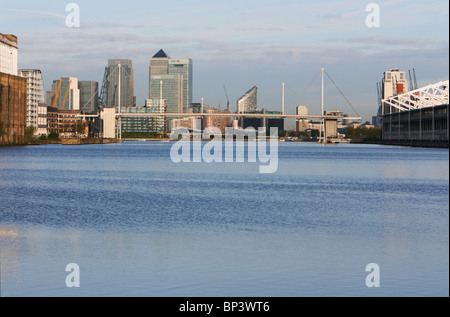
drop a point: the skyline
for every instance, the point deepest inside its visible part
(240, 45)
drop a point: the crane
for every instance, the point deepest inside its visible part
(228, 101)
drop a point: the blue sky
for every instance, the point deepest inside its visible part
(241, 44)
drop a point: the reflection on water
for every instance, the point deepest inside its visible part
(139, 225)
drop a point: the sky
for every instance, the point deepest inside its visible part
(241, 44)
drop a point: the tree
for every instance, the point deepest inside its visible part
(29, 133)
(78, 128)
(53, 135)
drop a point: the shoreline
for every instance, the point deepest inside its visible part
(87, 141)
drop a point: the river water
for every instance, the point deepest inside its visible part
(138, 224)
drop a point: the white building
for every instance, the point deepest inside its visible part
(35, 94)
(394, 83)
(302, 124)
(8, 54)
(248, 102)
(42, 127)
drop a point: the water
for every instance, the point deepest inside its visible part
(138, 224)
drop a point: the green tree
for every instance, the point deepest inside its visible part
(78, 128)
(29, 133)
(53, 135)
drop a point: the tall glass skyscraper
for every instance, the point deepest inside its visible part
(171, 79)
(110, 89)
(88, 96)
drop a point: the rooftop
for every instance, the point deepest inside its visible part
(161, 54)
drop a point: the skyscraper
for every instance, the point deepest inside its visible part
(88, 96)
(110, 90)
(64, 94)
(171, 79)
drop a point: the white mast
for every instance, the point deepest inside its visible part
(323, 119)
(282, 99)
(120, 111)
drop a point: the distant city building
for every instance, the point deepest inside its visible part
(171, 79)
(88, 96)
(110, 89)
(13, 109)
(394, 83)
(273, 122)
(42, 120)
(375, 121)
(144, 124)
(302, 125)
(8, 54)
(64, 94)
(220, 123)
(248, 102)
(331, 125)
(35, 94)
(67, 119)
(191, 123)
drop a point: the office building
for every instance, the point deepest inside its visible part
(248, 102)
(64, 94)
(171, 79)
(88, 96)
(144, 125)
(8, 54)
(35, 94)
(110, 90)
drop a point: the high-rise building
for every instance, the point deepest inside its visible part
(110, 89)
(64, 94)
(88, 96)
(8, 54)
(248, 102)
(394, 83)
(35, 94)
(171, 79)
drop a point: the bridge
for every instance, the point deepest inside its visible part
(236, 115)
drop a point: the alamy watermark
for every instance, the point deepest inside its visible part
(373, 18)
(73, 18)
(73, 278)
(226, 149)
(373, 278)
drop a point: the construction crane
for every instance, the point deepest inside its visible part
(228, 101)
(415, 79)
